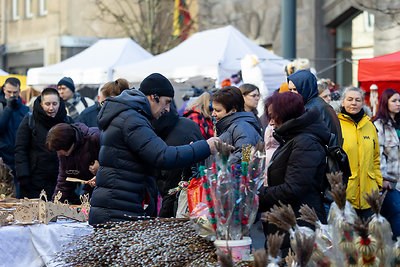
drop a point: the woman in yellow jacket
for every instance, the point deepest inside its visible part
(362, 148)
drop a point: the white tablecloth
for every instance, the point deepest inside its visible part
(36, 245)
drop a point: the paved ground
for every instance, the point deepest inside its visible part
(257, 235)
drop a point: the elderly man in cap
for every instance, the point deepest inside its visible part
(74, 102)
(131, 151)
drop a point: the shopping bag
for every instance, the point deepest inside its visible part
(183, 205)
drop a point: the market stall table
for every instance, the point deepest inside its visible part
(36, 245)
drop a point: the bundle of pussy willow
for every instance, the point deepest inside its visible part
(345, 241)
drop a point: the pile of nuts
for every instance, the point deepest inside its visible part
(154, 242)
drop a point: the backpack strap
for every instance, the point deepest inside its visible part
(84, 101)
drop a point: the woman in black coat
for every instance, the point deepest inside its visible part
(297, 168)
(36, 167)
(234, 125)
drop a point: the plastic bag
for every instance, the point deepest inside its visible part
(195, 193)
(183, 205)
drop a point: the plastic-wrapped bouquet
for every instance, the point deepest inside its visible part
(231, 191)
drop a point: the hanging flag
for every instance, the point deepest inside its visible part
(182, 20)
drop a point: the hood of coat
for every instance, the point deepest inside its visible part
(128, 99)
(306, 84)
(84, 132)
(309, 122)
(164, 125)
(223, 124)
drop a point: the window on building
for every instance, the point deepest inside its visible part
(43, 7)
(28, 9)
(15, 9)
(369, 21)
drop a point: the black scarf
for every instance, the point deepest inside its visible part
(40, 115)
(355, 117)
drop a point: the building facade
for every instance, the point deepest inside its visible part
(37, 33)
(332, 34)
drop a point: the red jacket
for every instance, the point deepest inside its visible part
(206, 125)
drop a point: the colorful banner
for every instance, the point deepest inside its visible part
(182, 20)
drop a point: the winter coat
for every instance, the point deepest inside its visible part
(77, 164)
(362, 148)
(206, 125)
(306, 85)
(297, 168)
(175, 131)
(389, 148)
(10, 119)
(239, 129)
(36, 167)
(130, 150)
(89, 115)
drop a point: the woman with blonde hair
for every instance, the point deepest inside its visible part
(110, 89)
(200, 112)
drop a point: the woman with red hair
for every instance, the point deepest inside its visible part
(297, 167)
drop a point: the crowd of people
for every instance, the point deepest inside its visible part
(132, 146)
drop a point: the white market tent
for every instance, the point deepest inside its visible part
(94, 65)
(213, 54)
(3, 73)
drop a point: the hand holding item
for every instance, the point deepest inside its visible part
(386, 185)
(94, 167)
(214, 142)
(91, 182)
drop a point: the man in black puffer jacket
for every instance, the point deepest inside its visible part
(304, 83)
(131, 151)
(175, 131)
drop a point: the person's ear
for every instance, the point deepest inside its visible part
(98, 99)
(156, 98)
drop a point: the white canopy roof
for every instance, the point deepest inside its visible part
(213, 53)
(3, 73)
(94, 65)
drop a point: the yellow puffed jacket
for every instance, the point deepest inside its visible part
(362, 148)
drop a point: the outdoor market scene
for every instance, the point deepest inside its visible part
(200, 133)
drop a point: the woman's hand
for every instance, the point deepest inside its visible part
(386, 185)
(91, 182)
(94, 167)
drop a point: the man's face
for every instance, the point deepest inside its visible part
(160, 107)
(65, 92)
(11, 90)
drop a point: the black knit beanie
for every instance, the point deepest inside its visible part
(157, 84)
(68, 82)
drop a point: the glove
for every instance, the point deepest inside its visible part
(12, 102)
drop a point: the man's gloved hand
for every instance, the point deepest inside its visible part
(12, 102)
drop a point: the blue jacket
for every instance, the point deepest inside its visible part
(239, 129)
(306, 85)
(89, 115)
(10, 120)
(130, 151)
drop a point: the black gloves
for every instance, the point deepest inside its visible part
(12, 102)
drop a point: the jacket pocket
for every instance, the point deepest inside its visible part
(372, 184)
